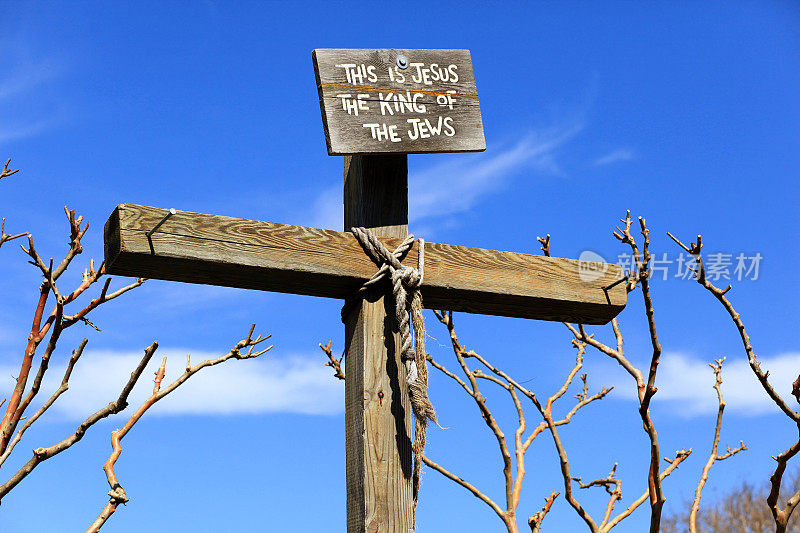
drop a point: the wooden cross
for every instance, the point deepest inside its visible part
(233, 252)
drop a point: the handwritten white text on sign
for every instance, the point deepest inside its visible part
(401, 103)
(382, 101)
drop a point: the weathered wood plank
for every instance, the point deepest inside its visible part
(377, 408)
(371, 105)
(212, 249)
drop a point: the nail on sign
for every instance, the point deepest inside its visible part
(398, 101)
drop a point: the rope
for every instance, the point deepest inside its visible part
(406, 282)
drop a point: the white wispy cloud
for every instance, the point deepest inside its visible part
(327, 209)
(457, 184)
(27, 77)
(26, 108)
(22, 131)
(268, 384)
(686, 382)
(623, 154)
(169, 295)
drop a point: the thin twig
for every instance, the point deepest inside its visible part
(5, 237)
(695, 250)
(503, 380)
(535, 520)
(486, 414)
(57, 320)
(101, 299)
(545, 244)
(117, 493)
(75, 247)
(11, 416)
(780, 516)
(42, 454)
(680, 456)
(615, 493)
(639, 275)
(6, 172)
(642, 276)
(716, 366)
(76, 354)
(470, 487)
(335, 364)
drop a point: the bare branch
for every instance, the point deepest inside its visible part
(716, 366)
(17, 406)
(654, 482)
(583, 398)
(37, 261)
(613, 487)
(470, 487)
(117, 493)
(780, 516)
(796, 389)
(101, 299)
(657, 498)
(640, 274)
(15, 409)
(5, 237)
(480, 401)
(617, 354)
(535, 521)
(6, 172)
(545, 244)
(75, 247)
(335, 364)
(680, 456)
(449, 374)
(503, 380)
(43, 366)
(730, 452)
(695, 249)
(42, 454)
(605, 482)
(76, 354)
(551, 424)
(11, 416)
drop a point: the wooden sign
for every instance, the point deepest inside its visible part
(378, 101)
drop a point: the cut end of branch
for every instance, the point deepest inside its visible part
(545, 244)
(333, 362)
(6, 172)
(535, 521)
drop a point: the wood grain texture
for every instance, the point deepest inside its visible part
(444, 94)
(377, 407)
(234, 252)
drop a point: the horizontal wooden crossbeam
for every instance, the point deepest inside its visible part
(234, 252)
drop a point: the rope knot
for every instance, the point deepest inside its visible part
(406, 282)
(410, 277)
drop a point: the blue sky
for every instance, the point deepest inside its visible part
(685, 113)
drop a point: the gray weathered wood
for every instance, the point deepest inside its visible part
(440, 81)
(234, 252)
(377, 408)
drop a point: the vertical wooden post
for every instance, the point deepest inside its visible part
(377, 408)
